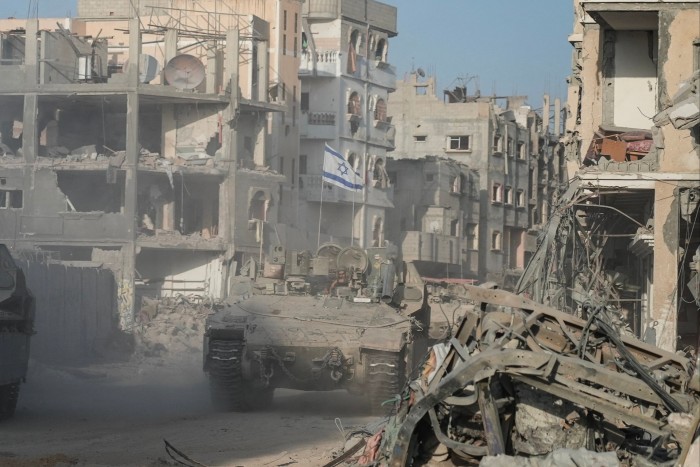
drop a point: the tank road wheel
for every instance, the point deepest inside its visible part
(9, 393)
(229, 391)
(385, 378)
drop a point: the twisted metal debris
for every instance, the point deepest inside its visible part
(521, 378)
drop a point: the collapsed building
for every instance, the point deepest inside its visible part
(139, 138)
(627, 234)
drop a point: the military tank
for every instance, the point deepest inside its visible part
(343, 318)
(16, 328)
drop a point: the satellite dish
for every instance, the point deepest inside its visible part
(184, 72)
(421, 72)
(353, 257)
(149, 68)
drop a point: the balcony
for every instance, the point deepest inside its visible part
(324, 63)
(432, 247)
(382, 74)
(318, 125)
(311, 191)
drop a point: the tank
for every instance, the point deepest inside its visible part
(349, 319)
(16, 328)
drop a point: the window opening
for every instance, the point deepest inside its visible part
(458, 143)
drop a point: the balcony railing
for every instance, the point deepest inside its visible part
(310, 186)
(318, 125)
(324, 62)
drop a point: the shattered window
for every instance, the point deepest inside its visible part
(521, 150)
(458, 143)
(380, 111)
(380, 52)
(354, 104)
(520, 198)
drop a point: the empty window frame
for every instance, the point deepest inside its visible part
(420, 138)
(508, 195)
(380, 111)
(471, 233)
(522, 150)
(496, 240)
(520, 198)
(458, 143)
(11, 199)
(496, 193)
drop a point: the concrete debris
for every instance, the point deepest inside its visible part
(171, 326)
(524, 379)
(559, 458)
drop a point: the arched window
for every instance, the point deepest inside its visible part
(380, 51)
(354, 160)
(257, 209)
(354, 107)
(380, 110)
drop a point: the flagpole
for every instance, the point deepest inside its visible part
(320, 211)
(352, 219)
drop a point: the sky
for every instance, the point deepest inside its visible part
(501, 47)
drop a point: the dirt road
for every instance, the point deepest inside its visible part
(119, 415)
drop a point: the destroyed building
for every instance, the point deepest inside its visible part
(519, 172)
(428, 223)
(627, 235)
(144, 138)
(346, 77)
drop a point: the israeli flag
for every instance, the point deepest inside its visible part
(337, 170)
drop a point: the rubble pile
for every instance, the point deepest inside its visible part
(171, 327)
(523, 379)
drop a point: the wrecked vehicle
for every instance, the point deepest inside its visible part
(342, 319)
(16, 328)
(523, 379)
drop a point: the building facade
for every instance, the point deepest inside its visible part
(345, 81)
(436, 215)
(161, 168)
(628, 236)
(500, 144)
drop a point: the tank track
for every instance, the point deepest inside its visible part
(385, 379)
(229, 390)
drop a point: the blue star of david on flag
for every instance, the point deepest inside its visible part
(337, 171)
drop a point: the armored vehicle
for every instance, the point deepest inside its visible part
(348, 319)
(16, 327)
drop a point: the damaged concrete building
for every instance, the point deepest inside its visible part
(159, 166)
(345, 81)
(513, 170)
(627, 235)
(428, 222)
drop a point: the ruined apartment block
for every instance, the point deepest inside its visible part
(141, 140)
(628, 234)
(519, 172)
(436, 215)
(346, 78)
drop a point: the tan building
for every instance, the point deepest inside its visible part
(629, 237)
(346, 78)
(170, 169)
(436, 216)
(506, 145)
